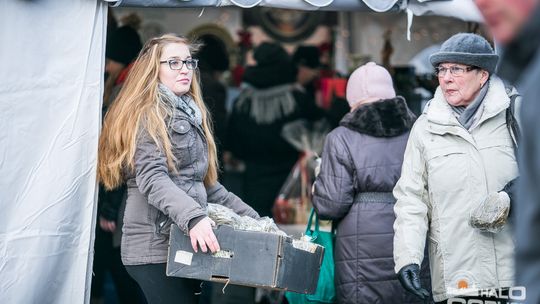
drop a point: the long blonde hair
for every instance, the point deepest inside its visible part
(138, 105)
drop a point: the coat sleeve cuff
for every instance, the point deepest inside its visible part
(404, 261)
(194, 221)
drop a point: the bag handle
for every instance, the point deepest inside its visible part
(315, 233)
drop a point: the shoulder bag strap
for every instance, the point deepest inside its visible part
(512, 123)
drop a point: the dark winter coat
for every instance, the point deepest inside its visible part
(158, 197)
(268, 101)
(364, 154)
(215, 98)
(520, 65)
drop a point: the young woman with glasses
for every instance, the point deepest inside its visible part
(157, 137)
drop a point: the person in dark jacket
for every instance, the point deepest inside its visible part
(516, 25)
(213, 61)
(361, 163)
(122, 48)
(269, 100)
(157, 139)
(123, 45)
(306, 59)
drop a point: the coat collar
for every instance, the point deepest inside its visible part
(383, 118)
(440, 113)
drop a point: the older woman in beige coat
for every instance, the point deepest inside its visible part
(460, 151)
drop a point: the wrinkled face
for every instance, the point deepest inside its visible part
(505, 17)
(461, 90)
(178, 81)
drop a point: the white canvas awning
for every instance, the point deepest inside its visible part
(52, 59)
(461, 9)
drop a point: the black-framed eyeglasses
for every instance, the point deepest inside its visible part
(177, 64)
(455, 71)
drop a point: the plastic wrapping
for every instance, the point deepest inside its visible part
(294, 200)
(222, 215)
(492, 214)
(306, 136)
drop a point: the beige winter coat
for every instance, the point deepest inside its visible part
(447, 171)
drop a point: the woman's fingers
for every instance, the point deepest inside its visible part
(212, 242)
(202, 243)
(203, 235)
(193, 242)
(107, 225)
(112, 226)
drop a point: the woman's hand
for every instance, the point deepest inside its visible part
(203, 234)
(107, 225)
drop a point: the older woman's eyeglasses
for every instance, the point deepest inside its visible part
(454, 70)
(177, 64)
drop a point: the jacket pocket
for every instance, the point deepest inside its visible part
(182, 135)
(498, 148)
(448, 171)
(436, 265)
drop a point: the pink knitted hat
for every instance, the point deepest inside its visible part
(370, 81)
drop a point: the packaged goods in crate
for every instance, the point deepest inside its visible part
(249, 258)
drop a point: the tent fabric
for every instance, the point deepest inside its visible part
(319, 3)
(461, 9)
(246, 3)
(380, 5)
(52, 60)
(366, 5)
(165, 3)
(465, 10)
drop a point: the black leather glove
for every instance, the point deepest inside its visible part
(510, 189)
(409, 277)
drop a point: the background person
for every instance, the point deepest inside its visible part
(516, 25)
(269, 99)
(361, 163)
(307, 61)
(122, 48)
(213, 61)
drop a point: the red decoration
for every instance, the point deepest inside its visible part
(332, 87)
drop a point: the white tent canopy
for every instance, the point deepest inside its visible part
(461, 9)
(52, 59)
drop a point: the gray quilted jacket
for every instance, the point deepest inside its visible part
(158, 197)
(364, 155)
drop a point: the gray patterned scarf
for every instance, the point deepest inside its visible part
(183, 102)
(468, 115)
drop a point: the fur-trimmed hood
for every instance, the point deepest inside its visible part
(385, 118)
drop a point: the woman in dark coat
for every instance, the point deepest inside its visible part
(269, 99)
(361, 163)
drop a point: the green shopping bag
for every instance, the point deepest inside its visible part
(326, 292)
